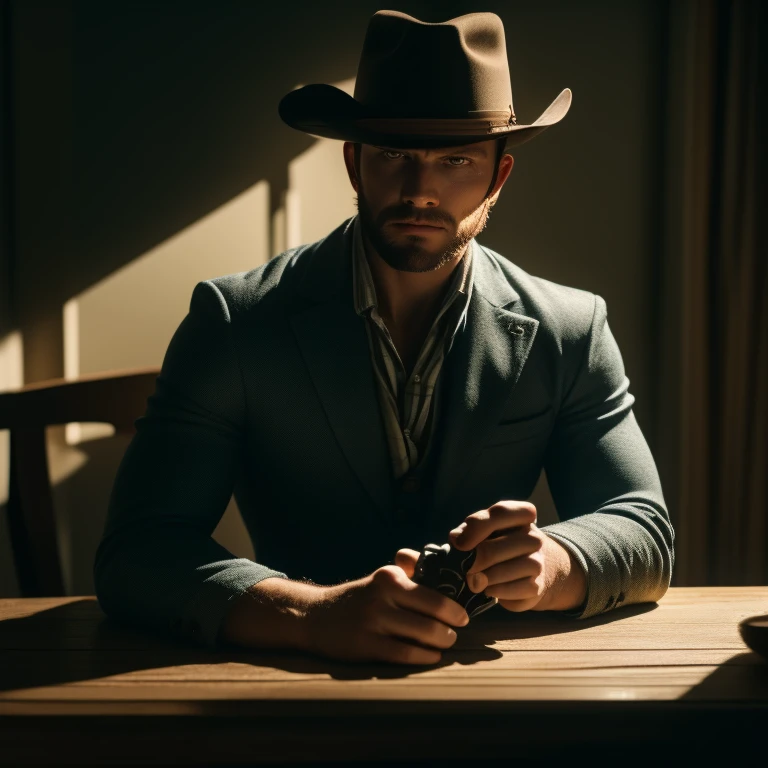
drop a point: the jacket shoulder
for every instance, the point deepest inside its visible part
(242, 292)
(564, 312)
(279, 284)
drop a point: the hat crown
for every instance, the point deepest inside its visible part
(453, 69)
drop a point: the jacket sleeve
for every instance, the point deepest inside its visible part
(157, 565)
(605, 484)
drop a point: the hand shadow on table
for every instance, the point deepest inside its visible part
(37, 646)
(487, 629)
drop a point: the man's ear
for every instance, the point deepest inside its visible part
(349, 162)
(505, 168)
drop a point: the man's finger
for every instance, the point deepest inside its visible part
(519, 606)
(501, 516)
(417, 627)
(519, 589)
(431, 603)
(407, 559)
(511, 570)
(503, 547)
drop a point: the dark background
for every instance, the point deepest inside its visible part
(125, 122)
(131, 120)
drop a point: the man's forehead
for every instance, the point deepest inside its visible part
(481, 148)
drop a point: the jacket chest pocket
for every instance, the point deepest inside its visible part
(507, 432)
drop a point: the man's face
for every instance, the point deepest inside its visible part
(420, 207)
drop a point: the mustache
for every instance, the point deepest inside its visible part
(407, 213)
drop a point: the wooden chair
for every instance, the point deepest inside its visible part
(115, 397)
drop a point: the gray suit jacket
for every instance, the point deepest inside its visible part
(267, 390)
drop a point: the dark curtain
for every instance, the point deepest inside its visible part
(717, 294)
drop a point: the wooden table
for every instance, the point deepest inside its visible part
(651, 681)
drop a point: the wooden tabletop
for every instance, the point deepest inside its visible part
(74, 686)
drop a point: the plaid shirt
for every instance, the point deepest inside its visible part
(408, 403)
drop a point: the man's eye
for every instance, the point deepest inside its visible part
(461, 161)
(392, 155)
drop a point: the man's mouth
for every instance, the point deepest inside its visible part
(416, 225)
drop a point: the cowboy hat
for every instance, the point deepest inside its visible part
(423, 85)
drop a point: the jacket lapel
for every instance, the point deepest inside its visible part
(334, 345)
(482, 370)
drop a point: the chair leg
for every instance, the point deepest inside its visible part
(31, 519)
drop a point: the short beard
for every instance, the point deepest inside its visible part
(413, 257)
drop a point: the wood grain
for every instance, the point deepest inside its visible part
(664, 670)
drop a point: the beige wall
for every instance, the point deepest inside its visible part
(11, 377)
(127, 320)
(171, 166)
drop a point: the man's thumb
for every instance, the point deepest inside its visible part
(407, 559)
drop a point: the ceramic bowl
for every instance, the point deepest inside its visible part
(754, 632)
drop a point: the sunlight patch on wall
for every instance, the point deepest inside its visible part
(319, 197)
(128, 319)
(11, 377)
(286, 223)
(11, 361)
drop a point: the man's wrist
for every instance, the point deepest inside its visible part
(272, 614)
(568, 585)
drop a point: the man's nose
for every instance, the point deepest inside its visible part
(418, 187)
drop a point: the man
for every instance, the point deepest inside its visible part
(391, 385)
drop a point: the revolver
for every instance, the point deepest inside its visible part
(445, 569)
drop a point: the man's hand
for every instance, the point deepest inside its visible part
(383, 617)
(518, 563)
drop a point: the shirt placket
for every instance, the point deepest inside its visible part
(407, 423)
(402, 385)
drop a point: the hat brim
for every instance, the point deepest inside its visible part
(326, 111)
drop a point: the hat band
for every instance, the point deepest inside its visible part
(437, 127)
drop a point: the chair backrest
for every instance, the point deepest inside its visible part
(113, 397)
